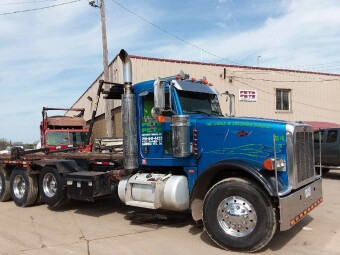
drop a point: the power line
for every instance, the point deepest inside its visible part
(39, 8)
(267, 92)
(273, 102)
(173, 35)
(186, 42)
(29, 2)
(294, 101)
(282, 81)
(212, 54)
(315, 66)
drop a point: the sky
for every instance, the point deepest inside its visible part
(51, 50)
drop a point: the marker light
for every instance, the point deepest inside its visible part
(269, 164)
(304, 212)
(204, 81)
(161, 118)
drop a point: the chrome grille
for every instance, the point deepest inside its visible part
(304, 155)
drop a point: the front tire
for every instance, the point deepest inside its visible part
(24, 188)
(238, 215)
(51, 186)
(5, 190)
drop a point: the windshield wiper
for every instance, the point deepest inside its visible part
(217, 113)
(197, 111)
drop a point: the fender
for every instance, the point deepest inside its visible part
(225, 169)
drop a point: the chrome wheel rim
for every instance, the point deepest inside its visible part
(236, 216)
(49, 185)
(19, 186)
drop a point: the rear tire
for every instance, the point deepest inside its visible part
(5, 190)
(238, 215)
(51, 186)
(24, 188)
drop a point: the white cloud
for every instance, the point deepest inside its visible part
(50, 57)
(308, 32)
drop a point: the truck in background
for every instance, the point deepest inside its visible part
(328, 157)
(244, 178)
(62, 132)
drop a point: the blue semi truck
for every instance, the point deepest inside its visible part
(243, 178)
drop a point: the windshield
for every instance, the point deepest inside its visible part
(194, 102)
(78, 138)
(66, 138)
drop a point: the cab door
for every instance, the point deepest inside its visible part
(155, 138)
(330, 148)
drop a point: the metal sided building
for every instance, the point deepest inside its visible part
(258, 92)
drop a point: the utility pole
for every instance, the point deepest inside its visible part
(258, 61)
(108, 105)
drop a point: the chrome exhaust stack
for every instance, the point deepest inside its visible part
(129, 124)
(127, 70)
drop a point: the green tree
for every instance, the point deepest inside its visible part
(4, 143)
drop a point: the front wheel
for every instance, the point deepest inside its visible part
(238, 215)
(51, 186)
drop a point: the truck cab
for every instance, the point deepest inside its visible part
(242, 177)
(62, 132)
(189, 132)
(186, 104)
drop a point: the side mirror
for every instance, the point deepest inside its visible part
(159, 97)
(155, 112)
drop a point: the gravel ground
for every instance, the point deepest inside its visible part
(109, 227)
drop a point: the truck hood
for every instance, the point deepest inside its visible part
(247, 139)
(247, 122)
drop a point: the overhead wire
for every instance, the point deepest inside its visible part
(29, 2)
(173, 35)
(39, 8)
(289, 72)
(237, 78)
(316, 66)
(200, 48)
(273, 94)
(286, 81)
(294, 101)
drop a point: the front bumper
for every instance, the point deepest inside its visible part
(298, 204)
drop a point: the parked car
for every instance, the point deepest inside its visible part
(329, 139)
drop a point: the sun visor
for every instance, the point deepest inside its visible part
(193, 86)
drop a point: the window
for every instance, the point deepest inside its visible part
(332, 136)
(78, 138)
(194, 102)
(283, 97)
(148, 104)
(57, 138)
(318, 135)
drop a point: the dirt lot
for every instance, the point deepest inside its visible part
(109, 227)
